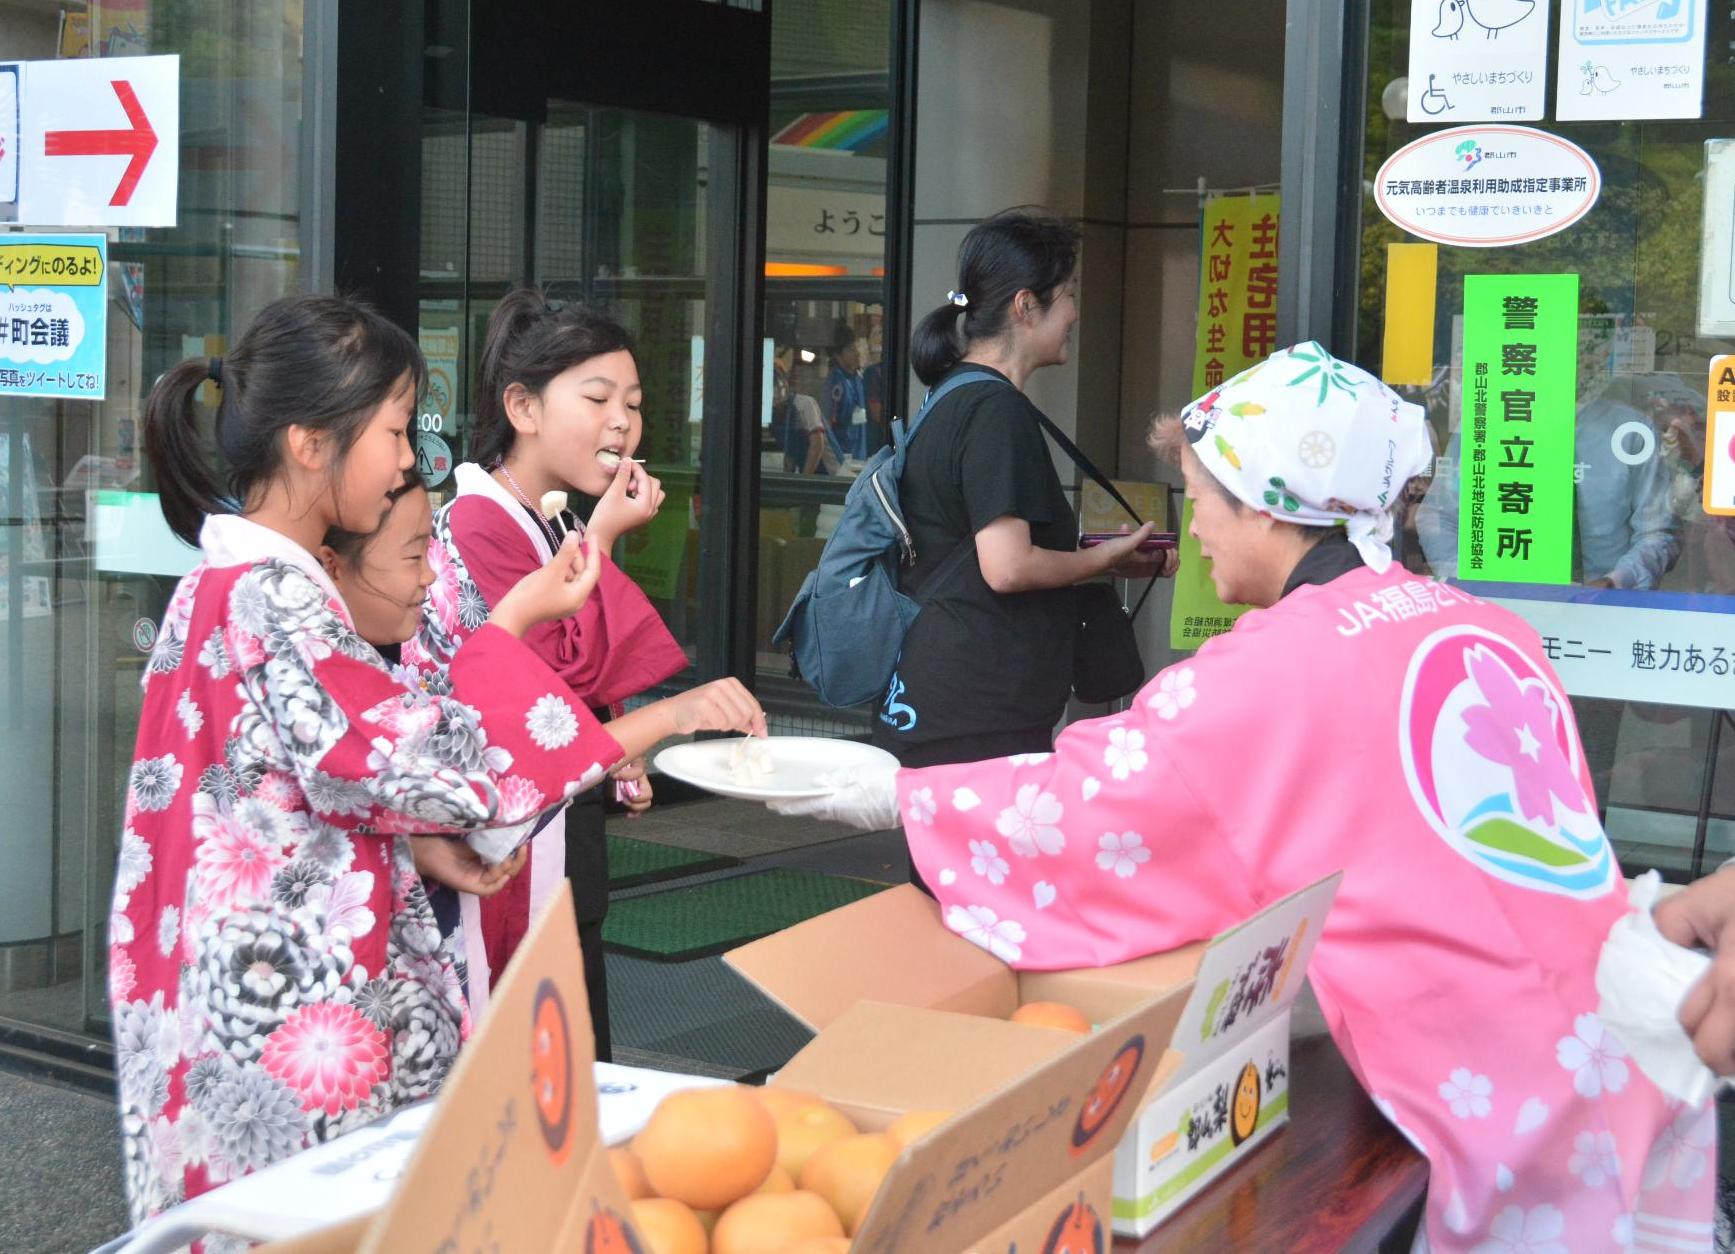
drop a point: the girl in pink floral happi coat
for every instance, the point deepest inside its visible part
(275, 973)
(1367, 720)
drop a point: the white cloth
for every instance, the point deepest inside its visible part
(865, 797)
(1313, 440)
(1641, 979)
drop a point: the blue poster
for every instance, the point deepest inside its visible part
(54, 316)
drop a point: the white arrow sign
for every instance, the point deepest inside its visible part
(100, 141)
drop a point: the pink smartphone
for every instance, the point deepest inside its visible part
(1156, 542)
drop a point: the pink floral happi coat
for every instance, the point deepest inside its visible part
(275, 972)
(1416, 738)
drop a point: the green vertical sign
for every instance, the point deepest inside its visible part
(1196, 614)
(1520, 389)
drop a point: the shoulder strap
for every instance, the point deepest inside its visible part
(1085, 464)
(950, 385)
(1102, 481)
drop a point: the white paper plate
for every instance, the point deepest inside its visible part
(797, 762)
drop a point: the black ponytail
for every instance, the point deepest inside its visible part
(530, 341)
(320, 362)
(185, 486)
(1014, 251)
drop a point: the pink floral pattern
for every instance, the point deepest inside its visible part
(275, 972)
(328, 1054)
(1517, 729)
(1463, 1000)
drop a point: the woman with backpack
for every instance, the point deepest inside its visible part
(987, 665)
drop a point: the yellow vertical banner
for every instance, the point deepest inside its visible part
(1237, 327)
(1412, 273)
(1237, 288)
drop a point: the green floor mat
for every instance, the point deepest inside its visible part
(633, 862)
(708, 918)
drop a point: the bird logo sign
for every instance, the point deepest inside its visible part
(1490, 16)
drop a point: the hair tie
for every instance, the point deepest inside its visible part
(958, 299)
(214, 370)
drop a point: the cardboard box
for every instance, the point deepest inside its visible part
(510, 1158)
(894, 948)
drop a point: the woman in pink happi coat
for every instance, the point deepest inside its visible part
(1365, 719)
(275, 973)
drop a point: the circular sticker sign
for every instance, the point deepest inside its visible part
(1487, 186)
(433, 458)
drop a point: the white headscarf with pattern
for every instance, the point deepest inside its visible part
(1313, 440)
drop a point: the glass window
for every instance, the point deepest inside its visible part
(77, 615)
(1639, 535)
(825, 356)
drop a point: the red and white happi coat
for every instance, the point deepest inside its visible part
(1416, 738)
(275, 972)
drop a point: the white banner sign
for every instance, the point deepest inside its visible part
(1623, 60)
(100, 142)
(1630, 653)
(1478, 60)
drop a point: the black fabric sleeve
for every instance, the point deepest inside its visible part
(1004, 464)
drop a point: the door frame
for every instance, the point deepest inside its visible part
(685, 58)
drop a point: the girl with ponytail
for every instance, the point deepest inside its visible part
(987, 665)
(275, 970)
(557, 410)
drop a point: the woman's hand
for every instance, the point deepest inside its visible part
(1702, 915)
(453, 863)
(558, 590)
(1122, 559)
(637, 797)
(632, 500)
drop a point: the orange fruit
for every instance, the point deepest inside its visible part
(630, 1172)
(668, 1227)
(848, 1172)
(707, 1147)
(1051, 1014)
(916, 1124)
(803, 1130)
(819, 1245)
(781, 1101)
(768, 1222)
(779, 1181)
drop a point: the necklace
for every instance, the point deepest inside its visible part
(547, 530)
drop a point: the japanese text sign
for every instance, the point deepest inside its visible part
(1515, 523)
(1621, 60)
(1484, 61)
(53, 315)
(1487, 186)
(1237, 288)
(1237, 327)
(1720, 437)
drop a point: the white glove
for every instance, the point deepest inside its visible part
(865, 797)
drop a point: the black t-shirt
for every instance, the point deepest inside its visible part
(976, 660)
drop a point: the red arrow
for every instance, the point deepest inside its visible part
(138, 143)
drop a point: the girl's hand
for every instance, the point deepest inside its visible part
(558, 590)
(632, 500)
(637, 799)
(721, 705)
(456, 865)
